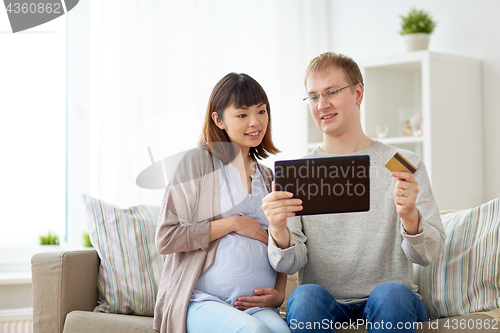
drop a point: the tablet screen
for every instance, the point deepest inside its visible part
(326, 185)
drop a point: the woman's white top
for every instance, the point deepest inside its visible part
(241, 263)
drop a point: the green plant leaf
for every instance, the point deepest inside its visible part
(417, 21)
(86, 239)
(49, 239)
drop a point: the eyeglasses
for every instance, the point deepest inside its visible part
(328, 95)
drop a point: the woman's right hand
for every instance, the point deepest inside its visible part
(278, 207)
(249, 227)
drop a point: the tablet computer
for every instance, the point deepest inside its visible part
(326, 185)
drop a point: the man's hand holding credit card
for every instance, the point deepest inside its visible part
(405, 192)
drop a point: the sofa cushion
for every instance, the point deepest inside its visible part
(466, 277)
(84, 321)
(130, 266)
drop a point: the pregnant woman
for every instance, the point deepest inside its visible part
(217, 276)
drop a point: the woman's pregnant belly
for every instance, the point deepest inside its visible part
(240, 266)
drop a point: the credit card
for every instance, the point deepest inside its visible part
(399, 163)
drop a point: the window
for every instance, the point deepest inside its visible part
(32, 132)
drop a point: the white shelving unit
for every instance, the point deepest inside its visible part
(445, 90)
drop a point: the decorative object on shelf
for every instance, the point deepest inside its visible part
(416, 124)
(49, 239)
(406, 128)
(404, 116)
(416, 28)
(410, 123)
(382, 131)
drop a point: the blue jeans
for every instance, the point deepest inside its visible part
(216, 317)
(391, 307)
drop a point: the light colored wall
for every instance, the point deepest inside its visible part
(366, 28)
(16, 296)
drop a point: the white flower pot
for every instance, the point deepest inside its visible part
(417, 41)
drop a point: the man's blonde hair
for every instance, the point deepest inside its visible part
(329, 59)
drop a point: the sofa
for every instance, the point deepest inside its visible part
(67, 291)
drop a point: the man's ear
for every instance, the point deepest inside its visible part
(217, 121)
(360, 90)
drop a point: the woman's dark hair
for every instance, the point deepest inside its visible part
(240, 91)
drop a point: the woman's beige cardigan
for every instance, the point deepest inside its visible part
(191, 202)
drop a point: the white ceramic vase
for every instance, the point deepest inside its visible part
(416, 41)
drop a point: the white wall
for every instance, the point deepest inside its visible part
(366, 28)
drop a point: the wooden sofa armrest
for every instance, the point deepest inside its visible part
(62, 282)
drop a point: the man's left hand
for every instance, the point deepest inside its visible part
(405, 196)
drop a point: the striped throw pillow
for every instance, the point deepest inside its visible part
(466, 277)
(130, 266)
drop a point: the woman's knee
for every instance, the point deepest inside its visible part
(272, 320)
(255, 326)
(210, 316)
(280, 327)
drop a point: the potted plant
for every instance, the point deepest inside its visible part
(416, 28)
(86, 239)
(48, 242)
(49, 239)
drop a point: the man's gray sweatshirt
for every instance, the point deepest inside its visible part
(349, 254)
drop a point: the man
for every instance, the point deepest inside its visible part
(355, 267)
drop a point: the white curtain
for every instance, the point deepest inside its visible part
(151, 66)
